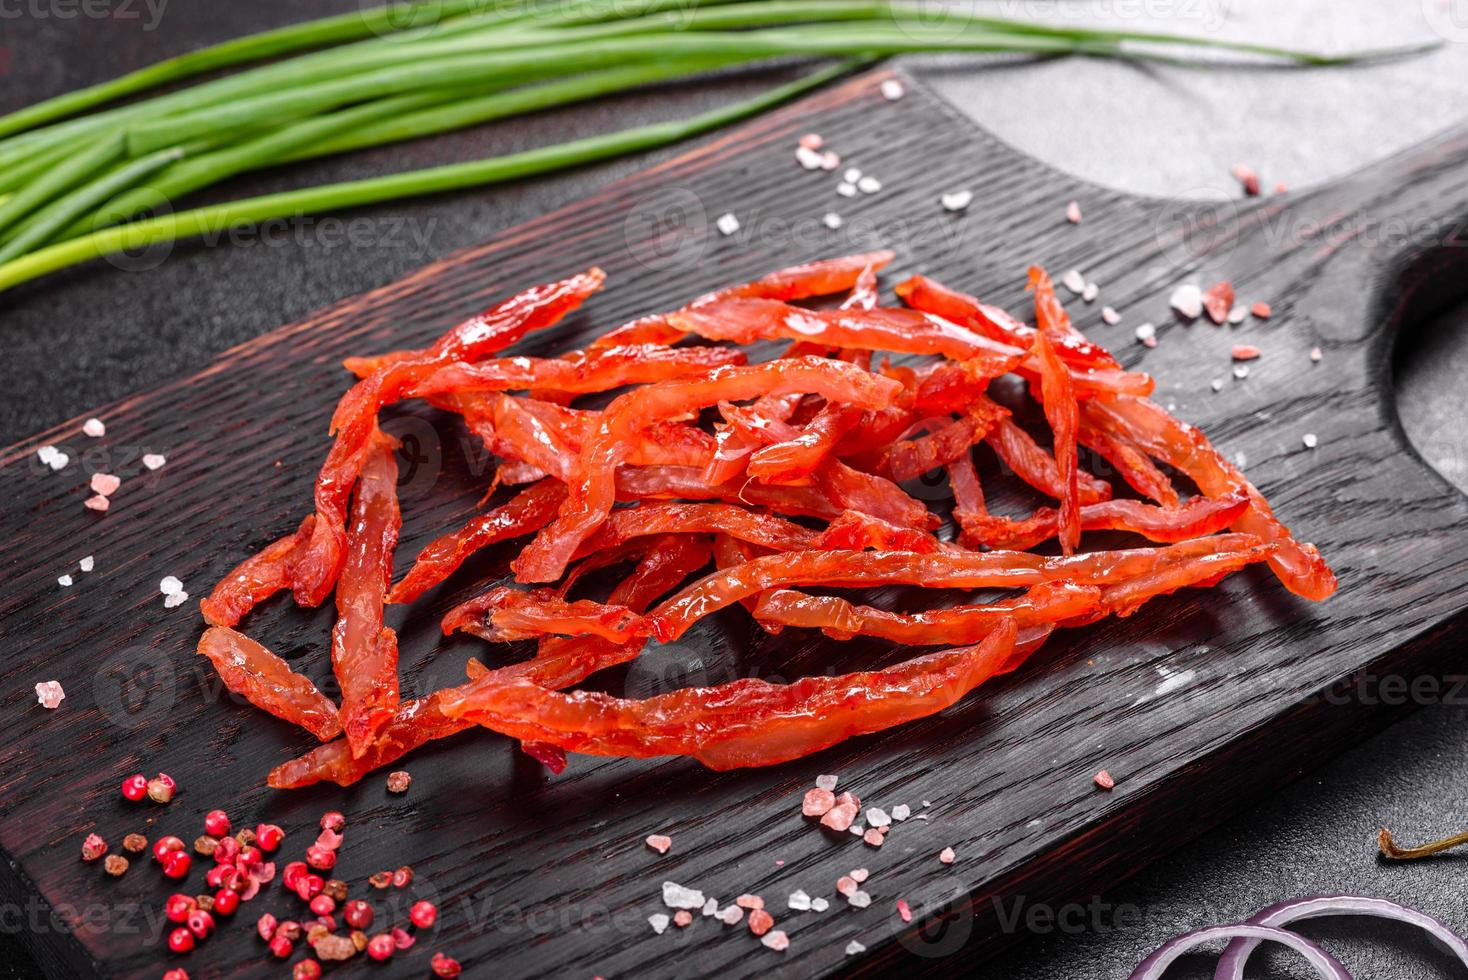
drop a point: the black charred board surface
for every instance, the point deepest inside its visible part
(1197, 705)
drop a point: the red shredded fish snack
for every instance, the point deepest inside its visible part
(725, 477)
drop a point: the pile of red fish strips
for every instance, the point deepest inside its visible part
(781, 475)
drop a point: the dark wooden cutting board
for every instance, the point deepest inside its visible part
(1197, 705)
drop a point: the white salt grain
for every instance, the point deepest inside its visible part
(892, 90)
(94, 428)
(799, 901)
(901, 811)
(87, 564)
(727, 223)
(64, 581)
(832, 220)
(852, 175)
(855, 948)
(807, 158)
(878, 817)
(58, 461)
(827, 782)
(1146, 332)
(658, 921)
(869, 185)
(1090, 293)
(956, 200)
(1074, 281)
(153, 461)
(846, 189)
(859, 899)
(1241, 371)
(170, 585)
(1310, 440)
(1109, 316)
(175, 600)
(819, 904)
(1187, 300)
(675, 896)
(1237, 314)
(1217, 384)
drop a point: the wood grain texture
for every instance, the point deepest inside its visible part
(549, 876)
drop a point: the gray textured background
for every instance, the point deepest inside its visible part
(94, 334)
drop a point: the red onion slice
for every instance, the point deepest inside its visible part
(1231, 964)
(1155, 965)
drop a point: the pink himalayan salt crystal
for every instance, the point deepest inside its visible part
(811, 141)
(777, 941)
(105, 483)
(840, 817)
(817, 802)
(846, 885)
(97, 503)
(749, 902)
(49, 694)
(1073, 213)
(1104, 780)
(946, 856)
(760, 921)
(659, 842)
(682, 918)
(903, 910)
(859, 875)
(873, 837)
(94, 428)
(731, 915)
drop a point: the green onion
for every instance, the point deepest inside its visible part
(65, 175)
(217, 218)
(44, 224)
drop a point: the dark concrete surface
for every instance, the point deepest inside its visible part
(95, 334)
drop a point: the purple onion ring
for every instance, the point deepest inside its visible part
(1231, 964)
(1155, 965)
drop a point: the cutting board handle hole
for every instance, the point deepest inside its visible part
(1429, 362)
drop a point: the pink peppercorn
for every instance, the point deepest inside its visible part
(216, 823)
(380, 946)
(423, 914)
(135, 787)
(358, 914)
(445, 966)
(282, 947)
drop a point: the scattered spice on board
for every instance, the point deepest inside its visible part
(1104, 780)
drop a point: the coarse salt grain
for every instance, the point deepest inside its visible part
(846, 189)
(1246, 176)
(675, 896)
(1090, 293)
(731, 915)
(808, 158)
(855, 948)
(175, 600)
(869, 185)
(1187, 301)
(711, 907)
(777, 941)
(1074, 281)
(798, 900)
(105, 483)
(901, 811)
(827, 782)
(846, 885)
(812, 141)
(873, 837)
(956, 200)
(760, 921)
(1109, 316)
(748, 901)
(859, 874)
(659, 842)
(97, 502)
(1262, 311)
(46, 453)
(1237, 314)
(1146, 332)
(878, 817)
(659, 922)
(87, 564)
(859, 899)
(64, 581)
(903, 910)
(832, 220)
(1310, 440)
(857, 830)
(1241, 371)
(49, 694)
(170, 584)
(682, 918)
(1245, 352)
(1073, 213)
(727, 223)
(946, 856)
(852, 175)
(58, 461)
(1104, 780)
(819, 904)
(1316, 354)
(830, 161)
(94, 428)
(153, 461)
(892, 90)
(1216, 384)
